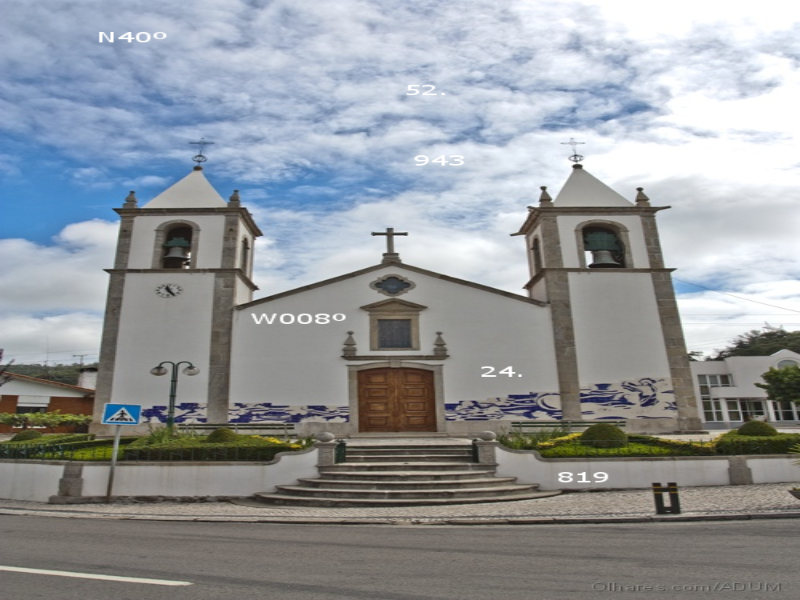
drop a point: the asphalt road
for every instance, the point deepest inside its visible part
(751, 560)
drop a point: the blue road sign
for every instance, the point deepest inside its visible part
(122, 414)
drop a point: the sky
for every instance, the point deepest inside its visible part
(309, 108)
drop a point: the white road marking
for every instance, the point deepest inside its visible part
(94, 576)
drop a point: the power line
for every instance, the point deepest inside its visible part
(735, 296)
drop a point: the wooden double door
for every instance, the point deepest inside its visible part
(396, 400)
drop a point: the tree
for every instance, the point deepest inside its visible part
(782, 385)
(760, 343)
(4, 377)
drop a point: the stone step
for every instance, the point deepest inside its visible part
(383, 484)
(281, 499)
(406, 475)
(418, 494)
(406, 466)
(450, 457)
(389, 450)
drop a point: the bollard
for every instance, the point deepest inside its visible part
(674, 507)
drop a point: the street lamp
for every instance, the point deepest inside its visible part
(159, 370)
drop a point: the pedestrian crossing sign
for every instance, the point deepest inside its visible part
(122, 414)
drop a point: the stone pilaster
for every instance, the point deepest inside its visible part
(677, 355)
(220, 347)
(738, 471)
(564, 338)
(108, 348)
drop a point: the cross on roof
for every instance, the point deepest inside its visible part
(390, 233)
(576, 158)
(200, 158)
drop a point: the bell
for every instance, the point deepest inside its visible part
(176, 258)
(603, 259)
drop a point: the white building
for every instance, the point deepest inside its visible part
(394, 347)
(727, 394)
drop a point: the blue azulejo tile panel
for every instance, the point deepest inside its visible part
(263, 412)
(519, 407)
(645, 398)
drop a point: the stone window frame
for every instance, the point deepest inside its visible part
(393, 309)
(785, 362)
(161, 239)
(375, 283)
(619, 229)
(536, 255)
(246, 255)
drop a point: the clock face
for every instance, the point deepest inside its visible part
(168, 290)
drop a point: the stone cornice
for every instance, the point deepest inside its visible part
(149, 212)
(537, 213)
(541, 274)
(373, 357)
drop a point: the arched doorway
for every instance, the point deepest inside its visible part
(396, 399)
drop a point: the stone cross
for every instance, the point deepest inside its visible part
(389, 233)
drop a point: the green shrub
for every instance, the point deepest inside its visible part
(245, 448)
(757, 428)
(604, 435)
(631, 449)
(733, 443)
(221, 436)
(26, 435)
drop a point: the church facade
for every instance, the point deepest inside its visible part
(394, 347)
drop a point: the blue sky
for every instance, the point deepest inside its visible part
(308, 107)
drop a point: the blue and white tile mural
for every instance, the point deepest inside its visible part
(646, 398)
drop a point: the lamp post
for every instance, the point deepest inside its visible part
(159, 370)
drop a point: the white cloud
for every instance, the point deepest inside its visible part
(693, 101)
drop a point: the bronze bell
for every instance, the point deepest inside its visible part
(603, 259)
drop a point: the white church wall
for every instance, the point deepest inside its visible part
(569, 246)
(208, 254)
(157, 329)
(301, 365)
(622, 363)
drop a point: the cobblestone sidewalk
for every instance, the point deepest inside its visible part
(698, 503)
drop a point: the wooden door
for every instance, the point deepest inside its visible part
(396, 400)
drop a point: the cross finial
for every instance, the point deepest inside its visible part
(576, 158)
(390, 255)
(200, 158)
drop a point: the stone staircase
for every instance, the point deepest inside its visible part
(391, 474)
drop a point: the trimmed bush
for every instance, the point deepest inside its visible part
(223, 435)
(604, 435)
(732, 443)
(26, 435)
(757, 428)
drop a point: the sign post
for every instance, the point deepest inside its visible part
(119, 415)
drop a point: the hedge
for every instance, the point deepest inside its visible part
(732, 443)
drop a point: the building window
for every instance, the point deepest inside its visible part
(787, 363)
(394, 324)
(536, 252)
(244, 262)
(785, 411)
(712, 407)
(394, 334)
(24, 410)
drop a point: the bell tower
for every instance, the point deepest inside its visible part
(183, 263)
(595, 258)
